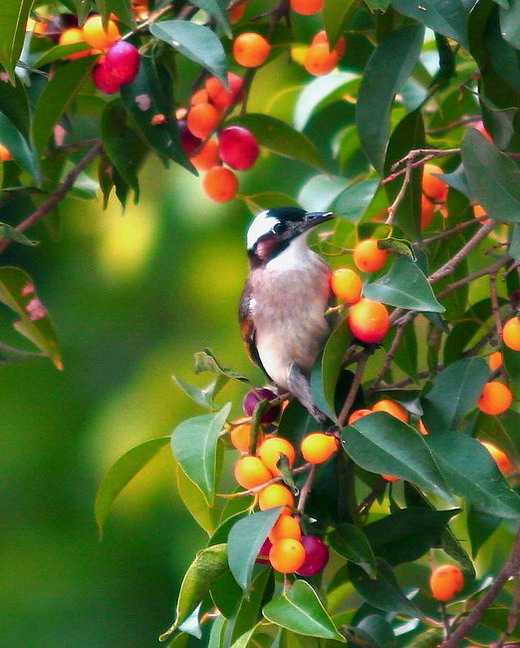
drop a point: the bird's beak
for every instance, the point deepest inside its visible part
(312, 219)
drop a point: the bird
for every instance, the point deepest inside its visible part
(283, 304)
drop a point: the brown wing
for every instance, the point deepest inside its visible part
(247, 326)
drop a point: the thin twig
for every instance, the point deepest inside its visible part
(57, 196)
(306, 488)
(389, 357)
(510, 569)
(450, 232)
(351, 396)
(495, 306)
(489, 270)
(402, 191)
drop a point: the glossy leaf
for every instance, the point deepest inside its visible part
(383, 592)
(267, 199)
(209, 564)
(300, 610)
(492, 177)
(481, 527)
(454, 393)
(57, 97)
(382, 444)
(14, 105)
(121, 473)
(195, 501)
(320, 191)
(375, 631)
(83, 8)
(148, 97)
(198, 43)
(352, 543)
(217, 9)
(353, 202)
(472, 473)
(387, 70)
(205, 360)
(11, 233)
(406, 535)
(249, 609)
(245, 541)
(17, 291)
(119, 8)
(194, 445)
(203, 397)
(510, 23)
(336, 16)
(60, 52)
(512, 363)
(319, 92)
(12, 32)
(17, 145)
(404, 286)
(277, 136)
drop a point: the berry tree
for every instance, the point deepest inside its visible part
(370, 529)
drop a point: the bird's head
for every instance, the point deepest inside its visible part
(274, 230)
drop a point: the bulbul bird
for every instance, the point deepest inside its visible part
(282, 309)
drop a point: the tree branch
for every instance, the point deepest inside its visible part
(57, 196)
(349, 401)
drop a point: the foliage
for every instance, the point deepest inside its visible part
(448, 93)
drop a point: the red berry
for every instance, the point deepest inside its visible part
(253, 397)
(316, 556)
(263, 554)
(238, 147)
(190, 143)
(104, 81)
(122, 61)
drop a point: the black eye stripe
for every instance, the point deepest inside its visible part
(279, 228)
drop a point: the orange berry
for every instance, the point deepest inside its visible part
(287, 555)
(504, 463)
(427, 211)
(446, 582)
(390, 478)
(222, 97)
(286, 527)
(495, 398)
(346, 285)
(422, 429)
(5, 154)
(317, 447)
(71, 37)
(480, 212)
(207, 157)
(393, 408)
(321, 37)
(203, 118)
(369, 320)
(220, 184)
(368, 257)
(251, 472)
(511, 334)
(434, 188)
(357, 414)
(237, 13)
(276, 495)
(319, 60)
(271, 449)
(250, 49)
(306, 7)
(96, 36)
(240, 436)
(495, 360)
(200, 96)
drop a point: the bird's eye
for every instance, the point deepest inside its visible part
(279, 228)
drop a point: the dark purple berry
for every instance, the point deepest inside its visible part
(122, 61)
(316, 556)
(190, 143)
(238, 147)
(254, 397)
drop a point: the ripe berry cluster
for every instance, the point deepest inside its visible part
(259, 470)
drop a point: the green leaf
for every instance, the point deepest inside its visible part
(245, 541)
(406, 535)
(17, 145)
(510, 23)
(514, 244)
(203, 397)
(205, 360)
(9, 232)
(14, 105)
(12, 32)
(121, 473)
(194, 445)
(449, 18)
(481, 527)
(18, 293)
(196, 42)
(148, 96)
(60, 52)
(217, 9)
(388, 68)
(300, 610)
(375, 631)
(319, 92)
(57, 97)
(454, 393)
(122, 144)
(278, 137)
(9, 354)
(325, 373)
(384, 592)
(320, 191)
(351, 543)
(268, 199)
(382, 444)
(209, 564)
(353, 202)
(336, 16)
(404, 286)
(512, 363)
(249, 609)
(492, 177)
(120, 8)
(83, 8)
(472, 473)
(195, 501)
